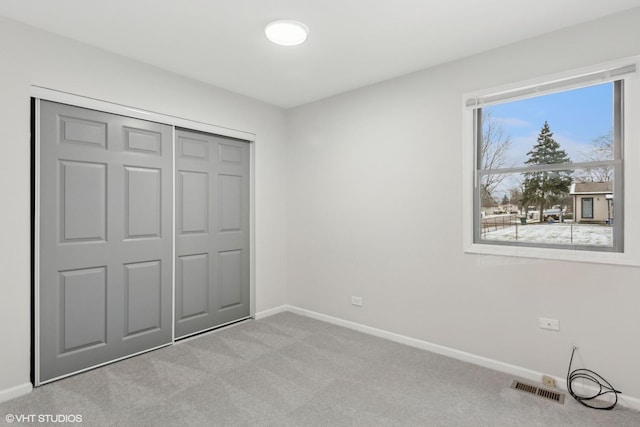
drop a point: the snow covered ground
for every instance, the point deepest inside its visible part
(558, 233)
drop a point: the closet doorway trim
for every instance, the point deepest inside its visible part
(40, 92)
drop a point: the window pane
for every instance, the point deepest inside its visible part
(587, 207)
(580, 121)
(581, 215)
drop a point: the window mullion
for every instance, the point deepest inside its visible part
(552, 167)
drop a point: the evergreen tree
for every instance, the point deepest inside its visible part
(543, 188)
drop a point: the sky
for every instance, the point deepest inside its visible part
(575, 117)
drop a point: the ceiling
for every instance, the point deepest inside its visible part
(352, 43)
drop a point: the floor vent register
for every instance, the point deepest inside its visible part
(538, 391)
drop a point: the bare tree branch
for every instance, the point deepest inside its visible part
(601, 149)
(494, 154)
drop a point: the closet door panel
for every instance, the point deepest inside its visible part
(212, 233)
(193, 202)
(193, 286)
(105, 238)
(143, 198)
(143, 297)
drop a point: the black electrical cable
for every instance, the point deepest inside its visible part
(589, 375)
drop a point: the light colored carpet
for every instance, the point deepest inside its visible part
(289, 370)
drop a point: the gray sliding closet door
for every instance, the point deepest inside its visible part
(105, 241)
(212, 231)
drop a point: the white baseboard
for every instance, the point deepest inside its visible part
(518, 371)
(496, 365)
(270, 312)
(13, 392)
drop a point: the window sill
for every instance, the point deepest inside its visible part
(553, 254)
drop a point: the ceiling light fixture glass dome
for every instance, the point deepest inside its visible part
(286, 32)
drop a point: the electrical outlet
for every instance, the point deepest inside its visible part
(357, 301)
(551, 324)
(548, 381)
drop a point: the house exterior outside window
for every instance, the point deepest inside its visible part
(593, 202)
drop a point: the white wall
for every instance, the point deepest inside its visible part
(374, 186)
(31, 57)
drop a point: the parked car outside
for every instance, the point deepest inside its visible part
(555, 213)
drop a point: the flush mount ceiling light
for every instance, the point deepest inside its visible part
(286, 32)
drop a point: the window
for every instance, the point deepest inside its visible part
(587, 207)
(548, 165)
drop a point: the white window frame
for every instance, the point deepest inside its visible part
(626, 69)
